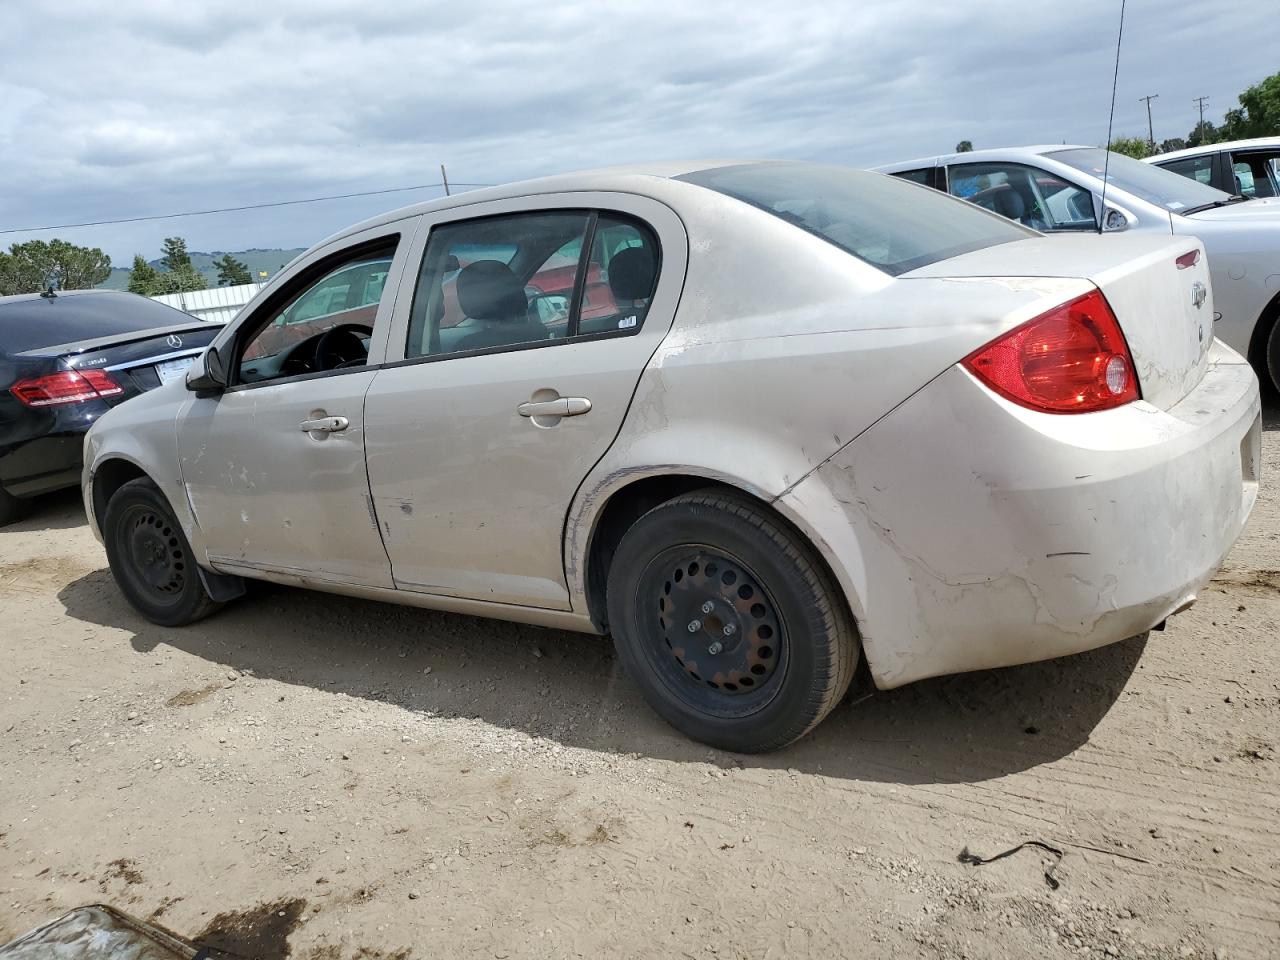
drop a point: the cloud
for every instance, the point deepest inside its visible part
(153, 107)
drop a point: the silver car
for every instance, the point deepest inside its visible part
(1250, 168)
(1058, 189)
(755, 420)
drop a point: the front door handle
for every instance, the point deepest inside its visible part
(559, 407)
(324, 425)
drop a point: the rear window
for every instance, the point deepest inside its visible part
(884, 221)
(32, 323)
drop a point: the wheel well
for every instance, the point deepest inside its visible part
(632, 502)
(1262, 329)
(109, 477)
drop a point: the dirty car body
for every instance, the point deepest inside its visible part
(963, 444)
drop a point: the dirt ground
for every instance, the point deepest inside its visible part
(323, 778)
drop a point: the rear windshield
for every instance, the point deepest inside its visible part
(1164, 188)
(889, 223)
(31, 323)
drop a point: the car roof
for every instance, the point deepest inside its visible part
(1208, 148)
(628, 178)
(971, 156)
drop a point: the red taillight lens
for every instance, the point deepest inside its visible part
(1073, 359)
(67, 386)
(1188, 259)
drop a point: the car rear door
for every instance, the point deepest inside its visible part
(274, 466)
(479, 436)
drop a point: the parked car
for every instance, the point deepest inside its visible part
(67, 358)
(832, 416)
(1250, 168)
(1058, 189)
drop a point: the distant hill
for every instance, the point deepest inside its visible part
(256, 259)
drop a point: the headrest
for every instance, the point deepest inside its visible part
(632, 273)
(488, 290)
(1008, 203)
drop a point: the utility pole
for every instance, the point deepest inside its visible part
(1151, 133)
(1199, 101)
(444, 177)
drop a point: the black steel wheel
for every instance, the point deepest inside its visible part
(729, 623)
(1272, 358)
(150, 558)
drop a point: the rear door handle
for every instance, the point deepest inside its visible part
(559, 407)
(324, 425)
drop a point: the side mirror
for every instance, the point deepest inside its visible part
(1114, 219)
(208, 373)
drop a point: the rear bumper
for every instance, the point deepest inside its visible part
(972, 533)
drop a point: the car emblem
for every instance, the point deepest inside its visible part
(1198, 294)
(175, 341)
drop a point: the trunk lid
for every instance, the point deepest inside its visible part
(1161, 298)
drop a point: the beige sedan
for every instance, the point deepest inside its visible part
(754, 420)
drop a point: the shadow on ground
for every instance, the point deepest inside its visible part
(52, 511)
(569, 688)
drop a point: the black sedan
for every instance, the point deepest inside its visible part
(65, 359)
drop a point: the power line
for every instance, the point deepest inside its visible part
(249, 206)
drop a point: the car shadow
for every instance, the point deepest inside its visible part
(61, 510)
(569, 688)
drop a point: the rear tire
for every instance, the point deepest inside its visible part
(1271, 358)
(11, 508)
(150, 557)
(729, 622)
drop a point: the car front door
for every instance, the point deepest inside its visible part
(505, 395)
(274, 465)
(1033, 196)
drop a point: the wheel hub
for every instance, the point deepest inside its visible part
(718, 623)
(156, 553)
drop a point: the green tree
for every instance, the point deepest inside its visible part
(231, 271)
(29, 267)
(144, 279)
(964, 146)
(1258, 114)
(1203, 133)
(175, 254)
(1172, 144)
(1136, 147)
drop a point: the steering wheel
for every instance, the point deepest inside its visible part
(342, 346)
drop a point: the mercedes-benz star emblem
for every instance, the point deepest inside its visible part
(1198, 294)
(175, 341)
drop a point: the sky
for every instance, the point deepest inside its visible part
(143, 107)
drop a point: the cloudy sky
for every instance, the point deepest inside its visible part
(143, 107)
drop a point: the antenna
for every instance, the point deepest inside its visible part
(1106, 163)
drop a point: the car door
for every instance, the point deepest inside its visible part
(274, 465)
(506, 394)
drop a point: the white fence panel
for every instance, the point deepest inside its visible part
(215, 303)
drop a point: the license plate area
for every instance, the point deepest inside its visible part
(173, 369)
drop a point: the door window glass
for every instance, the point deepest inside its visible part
(923, 177)
(519, 280)
(1033, 197)
(1255, 174)
(289, 341)
(1193, 168)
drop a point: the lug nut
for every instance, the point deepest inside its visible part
(715, 648)
(695, 626)
(730, 629)
(708, 607)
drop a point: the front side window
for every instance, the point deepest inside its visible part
(876, 218)
(1199, 169)
(1033, 197)
(530, 279)
(1255, 174)
(325, 324)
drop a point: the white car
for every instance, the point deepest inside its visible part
(1250, 168)
(793, 415)
(1058, 189)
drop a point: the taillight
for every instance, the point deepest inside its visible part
(66, 386)
(1073, 359)
(1188, 259)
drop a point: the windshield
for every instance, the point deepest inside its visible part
(1143, 180)
(890, 223)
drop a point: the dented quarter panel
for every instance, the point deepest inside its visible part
(1059, 533)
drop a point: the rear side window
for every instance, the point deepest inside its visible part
(1193, 168)
(924, 177)
(878, 219)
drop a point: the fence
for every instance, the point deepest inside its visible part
(216, 303)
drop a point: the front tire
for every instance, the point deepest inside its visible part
(11, 508)
(150, 557)
(729, 622)
(1271, 358)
